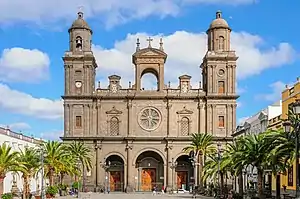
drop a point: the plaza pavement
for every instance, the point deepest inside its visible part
(133, 196)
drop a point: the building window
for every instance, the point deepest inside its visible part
(290, 176)
(114, 126)
(78, 121)
(221, 121)
(221, 43)
(79, 43)
(185, 126)
(221, 87)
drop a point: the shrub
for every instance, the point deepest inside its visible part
(52, 190)
(7, 196)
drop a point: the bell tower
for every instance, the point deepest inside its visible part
(79, 61)
(219, 63)
(149, 60)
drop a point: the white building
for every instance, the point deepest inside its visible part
(18, 142)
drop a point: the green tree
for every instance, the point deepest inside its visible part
(55, 153)
(82, 155)
(202, 145)
(7, 162)
(29, 164)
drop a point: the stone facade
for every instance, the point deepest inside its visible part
(137, 135)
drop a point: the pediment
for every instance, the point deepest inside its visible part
(184, 111)
(149, 52)
(114, 111)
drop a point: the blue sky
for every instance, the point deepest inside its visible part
(34, 36)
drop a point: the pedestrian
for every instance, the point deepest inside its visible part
(163, 189)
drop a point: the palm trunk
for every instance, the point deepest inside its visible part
(222, 183)
(200, 160)
(25, 187)
(241, 182)
(278, 187)
(1, 183)
(51, 177)
(61, 177)
(259, 183)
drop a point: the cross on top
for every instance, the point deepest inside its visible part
(149, 40)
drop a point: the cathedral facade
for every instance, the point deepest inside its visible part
(136, 135)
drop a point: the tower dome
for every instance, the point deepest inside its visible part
(80, 23)
(219, 22)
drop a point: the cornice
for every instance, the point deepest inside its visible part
(146, 139)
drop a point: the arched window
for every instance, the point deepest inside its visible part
(185, 126)
(114, 126)
(221, 43)
(79, 43)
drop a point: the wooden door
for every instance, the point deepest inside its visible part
(115, 180)
(148, 178)
(182, 179)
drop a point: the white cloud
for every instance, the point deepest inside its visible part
(112, 12)
(185, 52)
(275, 92)
(23, 65)
(52, 135)
(239, 104)
(22, 103)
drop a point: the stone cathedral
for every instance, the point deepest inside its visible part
(137, 135)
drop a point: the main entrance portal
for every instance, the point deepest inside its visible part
(116, 173)
(150, 167)
(184, 173)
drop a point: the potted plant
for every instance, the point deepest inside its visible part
(51, 191)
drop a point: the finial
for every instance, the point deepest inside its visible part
(80, 12)
(138, 44)
(200, 84)
(218, 14)
(129, 84)
(149, 40)
(169, 84)
(161, 47)
(99, 84)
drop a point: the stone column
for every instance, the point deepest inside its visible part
(130, 177)
(233, 78)
(97, 168)
(169, 106)
(98, 117)
(71, 126)
(169, 148)
(214, 122)
(129, 108)
(67, 119)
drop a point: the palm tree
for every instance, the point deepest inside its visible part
(7, 162)
(202, 145)
(256, 152)
(54, 153)
(29, 165)
(231, 160)
(82, 155)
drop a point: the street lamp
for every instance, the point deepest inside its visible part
(105, 165)
(173, 165)
(42, 153)
(287, 128)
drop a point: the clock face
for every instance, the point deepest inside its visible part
(78, 84)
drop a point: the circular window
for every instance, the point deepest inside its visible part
(221, 72)
(149, 118)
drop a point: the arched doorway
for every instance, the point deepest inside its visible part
(115, 173)
(184, 172)
(149, 80)
(150, 167)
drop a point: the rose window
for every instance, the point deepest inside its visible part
(149, 118)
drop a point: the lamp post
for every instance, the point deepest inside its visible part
(287, 128)
(105, 165)
(42, 174)
(173, 165)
